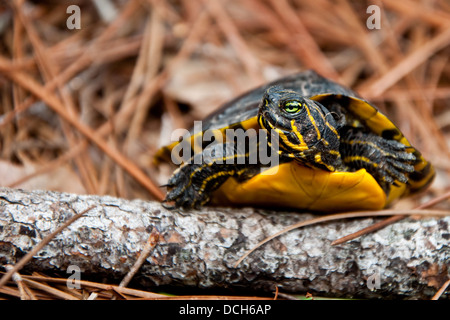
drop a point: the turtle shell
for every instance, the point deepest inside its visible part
(296, 186)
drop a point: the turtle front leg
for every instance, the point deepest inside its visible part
(192, 184)
(387, 161)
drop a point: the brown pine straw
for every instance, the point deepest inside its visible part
(57, 106)
(407, 65)
(84, 60)
(50, 71)
(25, 292)
(441, 290)
(121, 71)
(231, 32)
(44, 287)
(309, 48)
(127, 105)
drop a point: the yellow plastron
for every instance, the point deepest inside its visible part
(295, 186)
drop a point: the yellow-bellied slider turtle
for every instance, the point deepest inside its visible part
(335, 152)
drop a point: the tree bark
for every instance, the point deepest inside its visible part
(408, 259)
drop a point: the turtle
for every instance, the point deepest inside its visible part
(334, 151)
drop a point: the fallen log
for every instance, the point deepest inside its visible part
(408, 259)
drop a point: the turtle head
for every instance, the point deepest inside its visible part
(280, 107)
(306, 129)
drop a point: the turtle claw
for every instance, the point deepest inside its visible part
(395, 162)
(185, 190)
(167, 206)
(388, 161)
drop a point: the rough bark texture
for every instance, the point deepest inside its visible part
(199, 248)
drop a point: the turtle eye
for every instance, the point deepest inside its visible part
(292, 106)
